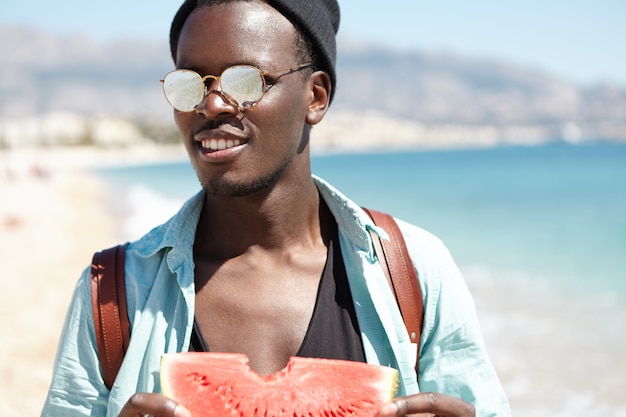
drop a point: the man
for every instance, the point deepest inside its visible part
(268, 260)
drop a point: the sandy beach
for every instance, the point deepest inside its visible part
(54, 214)
(50, 223)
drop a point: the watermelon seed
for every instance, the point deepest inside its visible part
(201, 379)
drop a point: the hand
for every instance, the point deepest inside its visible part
(145, 404)
(427, 404)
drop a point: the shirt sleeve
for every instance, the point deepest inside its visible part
(77, 388)
(453, 357)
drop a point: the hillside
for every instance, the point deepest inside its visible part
(44, 74)
(436, 88)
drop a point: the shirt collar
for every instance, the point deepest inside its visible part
(350, 217)
(179, 232)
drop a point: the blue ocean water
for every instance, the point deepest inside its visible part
(538, 232)
(556, 211)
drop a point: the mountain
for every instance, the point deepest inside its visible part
(445, 88)
(44, 73)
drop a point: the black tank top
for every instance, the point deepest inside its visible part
(333, 331)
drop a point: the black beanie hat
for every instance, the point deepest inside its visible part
(318, 19)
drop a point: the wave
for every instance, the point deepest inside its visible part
(145, 209)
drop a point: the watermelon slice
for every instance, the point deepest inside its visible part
(222, 385)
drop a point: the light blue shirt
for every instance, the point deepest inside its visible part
(161, 296)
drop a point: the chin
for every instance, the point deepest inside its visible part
(220, 187)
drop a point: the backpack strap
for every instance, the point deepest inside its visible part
(110, 312)
(401, 275)
(112, 325)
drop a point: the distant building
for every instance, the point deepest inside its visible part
(67, 129)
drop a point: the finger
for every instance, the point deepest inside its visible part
(157, 405)
(430, 402)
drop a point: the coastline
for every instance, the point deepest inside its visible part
(55, 213)
(50, 225)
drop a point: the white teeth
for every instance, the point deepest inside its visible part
(219, 144)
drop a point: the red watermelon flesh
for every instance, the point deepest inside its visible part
(222, 385)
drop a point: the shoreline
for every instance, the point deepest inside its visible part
(56, 212)
(51, 221)
(323, 142)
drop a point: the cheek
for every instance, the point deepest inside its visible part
(283, 132)
(184, 125)
(288, 113)
(182, 121)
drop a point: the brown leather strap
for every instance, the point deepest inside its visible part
(112, 325)
(108, 300)
(401, 275)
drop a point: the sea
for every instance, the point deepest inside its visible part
(539, 233)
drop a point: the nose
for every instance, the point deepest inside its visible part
(215, 104)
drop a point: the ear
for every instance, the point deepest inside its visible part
(320, 88)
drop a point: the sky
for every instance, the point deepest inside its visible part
(583, 41)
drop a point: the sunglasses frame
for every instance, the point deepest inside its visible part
(224, 95)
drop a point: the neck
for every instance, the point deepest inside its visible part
(281, 218)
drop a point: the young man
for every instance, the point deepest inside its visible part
(268, 260)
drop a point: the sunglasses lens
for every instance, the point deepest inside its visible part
(183, 89)
(243, 85)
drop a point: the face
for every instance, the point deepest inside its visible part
(240, 152)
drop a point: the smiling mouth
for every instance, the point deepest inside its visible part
(219, 144)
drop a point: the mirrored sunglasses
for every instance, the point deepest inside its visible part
(242, 86)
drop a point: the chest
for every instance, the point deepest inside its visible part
(287, 313)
